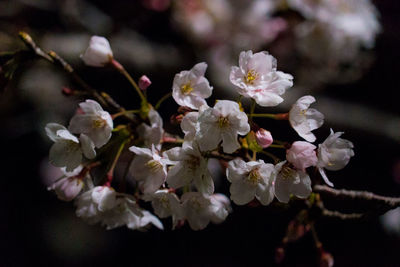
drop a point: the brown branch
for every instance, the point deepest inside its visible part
(342, 216)
(386, 202)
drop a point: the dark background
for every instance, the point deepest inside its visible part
(36, 228)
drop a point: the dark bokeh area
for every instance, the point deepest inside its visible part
(37, 228)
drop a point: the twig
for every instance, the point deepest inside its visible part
(387, 202)
(342, 216)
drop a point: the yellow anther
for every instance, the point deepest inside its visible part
(223, 122)
(154, 165)
(99, 123)
(251, 76)
(186, 89)
(254, 177)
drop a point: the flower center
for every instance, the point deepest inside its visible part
(287, 172)
(99, 123)
(186, 89)
(251, 76)
(254, 177)
(223, 122)
(193, 162)
(154, 165)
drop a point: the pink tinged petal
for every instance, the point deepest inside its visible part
(266, 99)
(202, 88)
(68, 188)
(199, 69)
(323, 175)
(144, 82)
(87, 146)
(264, 138)
(52, 129)
(302, 155)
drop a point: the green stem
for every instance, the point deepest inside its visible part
(162, 99)
(110, 173)
(263, 115)
(272, 156)
(276, 146)
(122, 70)
(116, 115)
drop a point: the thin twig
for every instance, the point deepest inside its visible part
(342, 216)
(388, 202)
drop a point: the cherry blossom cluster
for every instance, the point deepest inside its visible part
(171, 173)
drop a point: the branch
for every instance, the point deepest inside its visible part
(342, 216)
(387, 202)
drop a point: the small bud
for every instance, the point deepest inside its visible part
(264, 138)
(67, 91)
(99, 52)
(144, 82)
(176, 119)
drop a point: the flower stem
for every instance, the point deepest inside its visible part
(162, 99)
(279, 116)
(110, 173)
(116, 115)
(122, 70)
(272, 156)
(276, 146)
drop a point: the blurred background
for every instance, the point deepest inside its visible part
(345, 54)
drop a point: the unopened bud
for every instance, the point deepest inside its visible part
(98, 53)
(144, 82)
(67, 91)
(264, 138)
(176, 119)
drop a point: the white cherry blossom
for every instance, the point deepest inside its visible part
(94, 122)
(199, 209)
(304, 119)
(148, 168)
(190, 87)
(334, 154)
(249, 180)
(257, 78)
(290, 181)
(67, 149)
(302, 155)
(153, 133)
(190, 166)
(189, 125)
(99, 52)
(165, 204)
(222, 123)
(68, 188)
(127, 212)
(92, 204)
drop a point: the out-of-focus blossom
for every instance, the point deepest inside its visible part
(190, 87)
(165, 203)
(68, 188)
(290, 181)
(67, 149)
(264, 138)
(94, 122)
(223, 122)
(92, 204)
(249, 180)
(157, 5)
(190, 166)
(302, 155)
(148, 168)
(334, 154)
(99, 52)
(152, 135)
(199, 209)
(304, 119)
(257, 78)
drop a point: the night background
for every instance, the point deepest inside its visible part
(37, 228)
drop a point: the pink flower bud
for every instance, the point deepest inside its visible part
(144, 82)
(67, 188)
(264, 138)
(302, 155)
